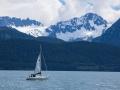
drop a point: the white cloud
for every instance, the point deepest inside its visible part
(103, 8)
(50, 11)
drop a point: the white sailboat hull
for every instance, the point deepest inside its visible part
(38, 78)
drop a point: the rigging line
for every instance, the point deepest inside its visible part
(44, 59)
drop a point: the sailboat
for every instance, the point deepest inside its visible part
(37, 75)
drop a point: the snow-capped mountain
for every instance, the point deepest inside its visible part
(83, 28)
(86, 28)
(36, 31)
(31, 27)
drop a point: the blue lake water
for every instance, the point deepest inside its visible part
(61, 80)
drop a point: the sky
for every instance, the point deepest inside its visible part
(49, 12)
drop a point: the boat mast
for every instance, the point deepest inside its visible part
(40, 58)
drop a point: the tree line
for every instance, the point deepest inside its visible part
(21, 54)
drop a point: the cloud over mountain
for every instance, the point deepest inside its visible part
(51, 11)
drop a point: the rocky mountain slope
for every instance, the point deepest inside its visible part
(111, 36)
(83, 28)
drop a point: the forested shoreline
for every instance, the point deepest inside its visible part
(21, 54)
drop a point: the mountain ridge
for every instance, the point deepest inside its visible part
(86, 28)
(111, 36)
(83, 28)
(7, 33)
(17, 22)
(11, 33)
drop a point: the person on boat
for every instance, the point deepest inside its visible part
(33, 75)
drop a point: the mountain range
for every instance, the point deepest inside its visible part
(18, 22)
(83, 28)
(21, 45)
(89, 27)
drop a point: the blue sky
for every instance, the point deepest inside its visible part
(62, 1)
(117, 8)
(51, 11)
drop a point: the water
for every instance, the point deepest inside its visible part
(61, 80)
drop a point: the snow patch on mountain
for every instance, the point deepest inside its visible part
(81, 33)
(38, 32)
(33, 30)
(28, 26)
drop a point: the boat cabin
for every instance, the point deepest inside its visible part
(32, 75)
